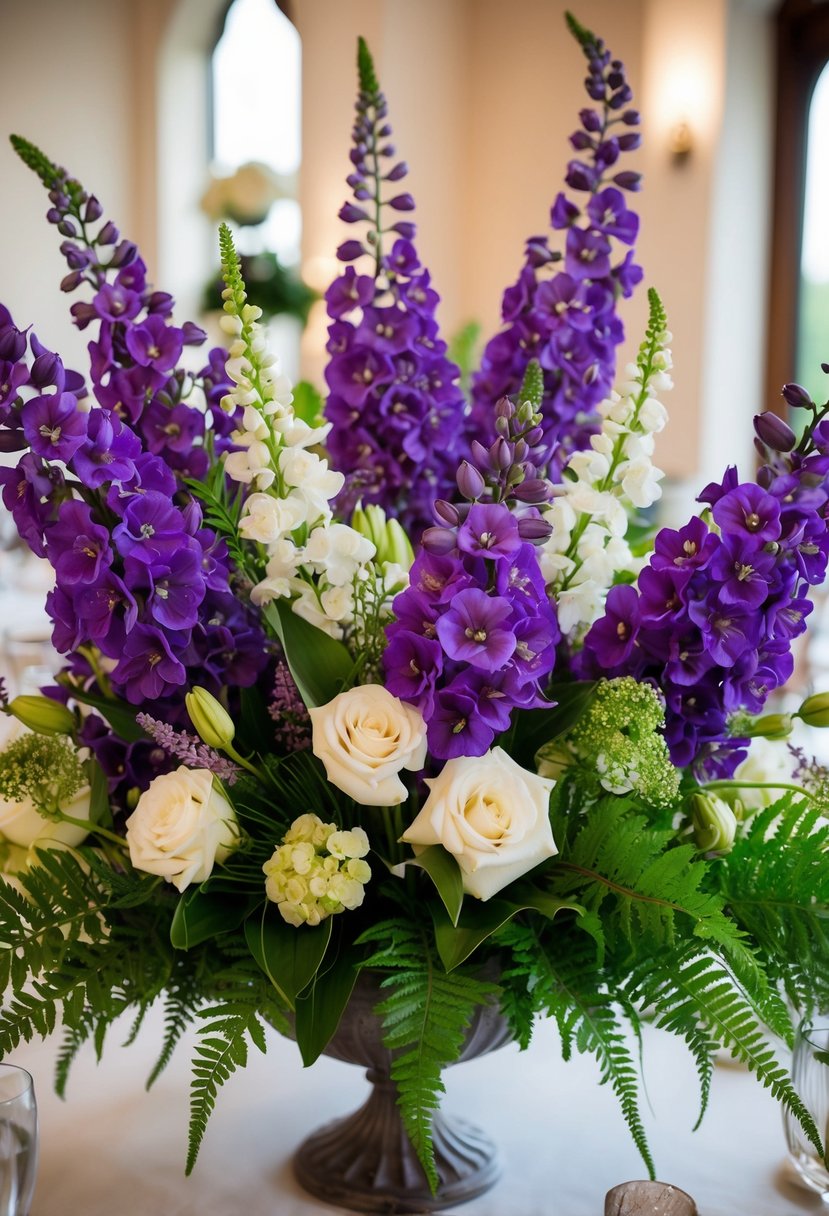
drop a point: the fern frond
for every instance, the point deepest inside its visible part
(693, 995)
(425, 1017)
(222, 1048)
(567, 985)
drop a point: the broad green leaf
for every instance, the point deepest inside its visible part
(535, 727)
(290, 956)
(445, 873)
(199, 916)
(480, 919)
(321, 1005)
(307, 402)
(120, 716)
(320, 665)
(99, 808)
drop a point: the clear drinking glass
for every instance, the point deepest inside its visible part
(18, 1140)
(810, 1077)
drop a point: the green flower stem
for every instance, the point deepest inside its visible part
(756, 785)
(231, 751)
(93, 828)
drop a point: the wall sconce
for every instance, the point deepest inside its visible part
(680, 142)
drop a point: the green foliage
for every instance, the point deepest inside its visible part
(565, 983)
(223, 1047)
(586, 38)
(320, 665)
(221, 502)
(425, 1017)
(462, 351)
(775, 881)
(35, 160)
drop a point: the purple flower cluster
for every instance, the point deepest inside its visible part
(134, 359)
(715, 613)
(138, 577)
(474, 634)
(396, 408)
(562, 309)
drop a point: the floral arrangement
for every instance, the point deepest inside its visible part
(412, 689)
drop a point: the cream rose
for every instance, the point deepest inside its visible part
(364, 737)
(492, 815)
(181, 827)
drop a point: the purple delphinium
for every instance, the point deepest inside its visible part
(716, 611)
(474, 634)
(563, 307)
(397, 412)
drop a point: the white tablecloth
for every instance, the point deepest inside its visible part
(113, 1150)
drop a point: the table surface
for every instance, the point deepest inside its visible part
(112, 1149)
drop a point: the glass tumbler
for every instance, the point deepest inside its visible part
(810, 1077)
(18, 1140)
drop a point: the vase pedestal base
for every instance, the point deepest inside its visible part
(364, 1162)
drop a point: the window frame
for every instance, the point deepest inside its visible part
(802, 52)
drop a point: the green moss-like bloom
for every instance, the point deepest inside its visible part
(44, 768)
(619, 739)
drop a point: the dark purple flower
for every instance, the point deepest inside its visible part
(148, 668)
(413, 663)
(612, 638)
(79, 549)
(489, 530)
(748, 511)
(457, 727)
(155, 344)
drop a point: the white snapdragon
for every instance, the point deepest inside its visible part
(587, 548)
(310, 560)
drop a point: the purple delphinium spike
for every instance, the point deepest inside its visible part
(397, 412)
(474, 634)
(716, 612)
(188, 748)
(562, 308)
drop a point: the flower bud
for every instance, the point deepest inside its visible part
(470, 482)
(398, 547)
(815, 710)
(714, 823)
(13, 441)
(534, 530)
(43, 715)
(213, 723)
(500, 455)
(533, 490)
(109, 234)
(797, 396)
(446, 512)
(439, 541)
(771, 726)
(774, 432)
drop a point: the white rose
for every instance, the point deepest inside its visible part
(181, 827)
(492, 815)
(364, 737)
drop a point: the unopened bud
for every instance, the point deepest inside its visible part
(774, 432)
(211, 720)
(771, 726)
(714, 823)
(43, 715)
(470, 482)
(500, 455)
(446, 512)
(815, 710)
(534, 530)
(439, 541)
(797, 396)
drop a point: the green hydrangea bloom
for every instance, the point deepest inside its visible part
(318, 870)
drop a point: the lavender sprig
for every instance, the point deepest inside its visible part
(188, 748)
(286, 707)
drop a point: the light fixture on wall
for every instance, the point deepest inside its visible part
(680, 141)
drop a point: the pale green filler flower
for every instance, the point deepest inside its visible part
(317, 871)
(619, 739)
(44, 768)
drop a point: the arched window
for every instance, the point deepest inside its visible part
(255, 132)
(799, 284)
